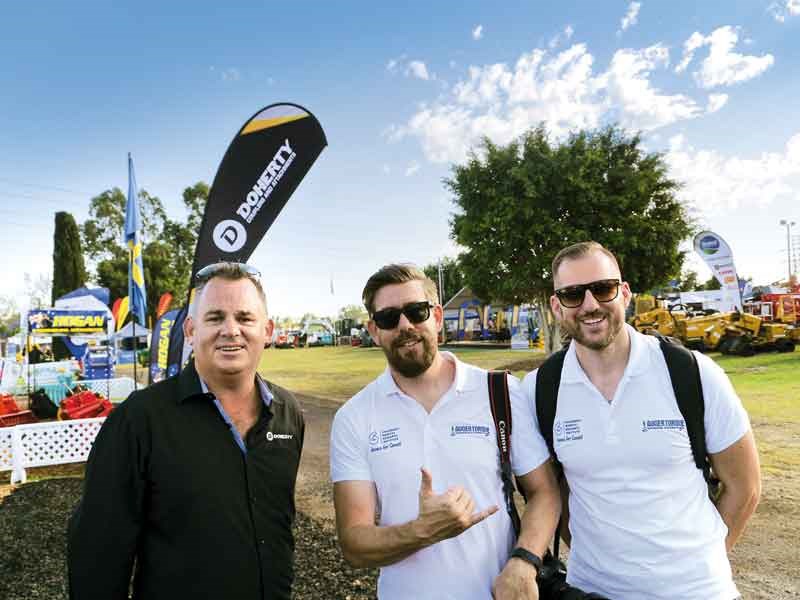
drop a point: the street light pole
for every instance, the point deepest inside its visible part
(788, 224)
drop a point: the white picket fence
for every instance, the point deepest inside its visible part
(116, 390)
(46, 444)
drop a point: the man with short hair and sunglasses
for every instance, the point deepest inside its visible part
(641, 522)
(415, 463)
(193, 477)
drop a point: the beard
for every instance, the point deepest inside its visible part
(573, 329)
(408, 364)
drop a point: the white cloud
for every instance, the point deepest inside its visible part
(477, 33)
(394, 63)
(231, 74)
(780, 11)
(417, 68)
(560, 89)
(564, 35)
(387, 169)
(714, 182)
(631, 17)
(723, 66)
(412, 168)
(694, 42)
(716, 102)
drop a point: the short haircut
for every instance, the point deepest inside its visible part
(230, 271)
(396, 273)
(580, 250)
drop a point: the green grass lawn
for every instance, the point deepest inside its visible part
(768, 384)
(338, 373)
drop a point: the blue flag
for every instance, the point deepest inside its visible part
(136, 290)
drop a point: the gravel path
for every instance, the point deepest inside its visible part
(33, 541)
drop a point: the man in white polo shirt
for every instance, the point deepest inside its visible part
(641, 522)
(415, 463)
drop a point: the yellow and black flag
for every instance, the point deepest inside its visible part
(263, 166)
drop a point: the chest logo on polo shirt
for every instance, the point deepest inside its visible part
(469, 429)
(568, 431)
(278, 436)
(662, 424)
(385, 439)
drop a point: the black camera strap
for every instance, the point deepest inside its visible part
(500, 404)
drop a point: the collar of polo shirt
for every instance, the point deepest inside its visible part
(639, 361)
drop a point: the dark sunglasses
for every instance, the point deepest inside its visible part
(604, 290)
(211, 270)
(415, 312)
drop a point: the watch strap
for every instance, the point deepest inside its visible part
(528, 557)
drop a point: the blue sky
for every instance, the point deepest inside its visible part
(402, 91)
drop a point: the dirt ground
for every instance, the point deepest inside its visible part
(765, 561)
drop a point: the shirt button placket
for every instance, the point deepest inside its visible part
(427, 443)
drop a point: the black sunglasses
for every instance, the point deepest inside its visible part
(415, 312)
(604, 290)
(211, 270)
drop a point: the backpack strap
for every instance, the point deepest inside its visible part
(548, 379)
(684, 374)
(500, 404)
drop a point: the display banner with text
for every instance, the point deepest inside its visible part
(264, 164)
(159, 345)
(718, 256)
(54, 321)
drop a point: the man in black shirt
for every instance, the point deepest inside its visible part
(193, 477)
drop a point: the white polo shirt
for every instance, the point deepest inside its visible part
(383, 435)
(641, 521)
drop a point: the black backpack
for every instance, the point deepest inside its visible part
(684, 374)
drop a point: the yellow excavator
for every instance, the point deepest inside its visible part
(729, 332)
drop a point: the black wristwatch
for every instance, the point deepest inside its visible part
(528, 557)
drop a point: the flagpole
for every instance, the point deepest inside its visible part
(135, 340)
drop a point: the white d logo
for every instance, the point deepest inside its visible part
(229, 235)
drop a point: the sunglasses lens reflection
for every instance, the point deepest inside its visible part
(416, 312)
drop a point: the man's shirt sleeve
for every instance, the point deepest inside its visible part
(348, 448)
(528, 448)
(103, 531)
(726, 420)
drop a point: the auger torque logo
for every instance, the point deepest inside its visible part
(462, 429)
(650, 424)
(266, 183)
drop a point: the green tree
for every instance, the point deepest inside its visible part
(354, 311)
(69, 271)
(711, 284)
(688, 282)
(38, 289)
(519, 204)
(452, 276)
(168, 245)
(9, 317)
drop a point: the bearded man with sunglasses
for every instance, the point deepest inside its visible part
(641, 523)
(193, 477)
(415, 463)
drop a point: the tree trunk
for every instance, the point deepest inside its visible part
(548, 325)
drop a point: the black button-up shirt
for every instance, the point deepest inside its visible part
(167, 484)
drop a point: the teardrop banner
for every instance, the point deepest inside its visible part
(262, 167)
